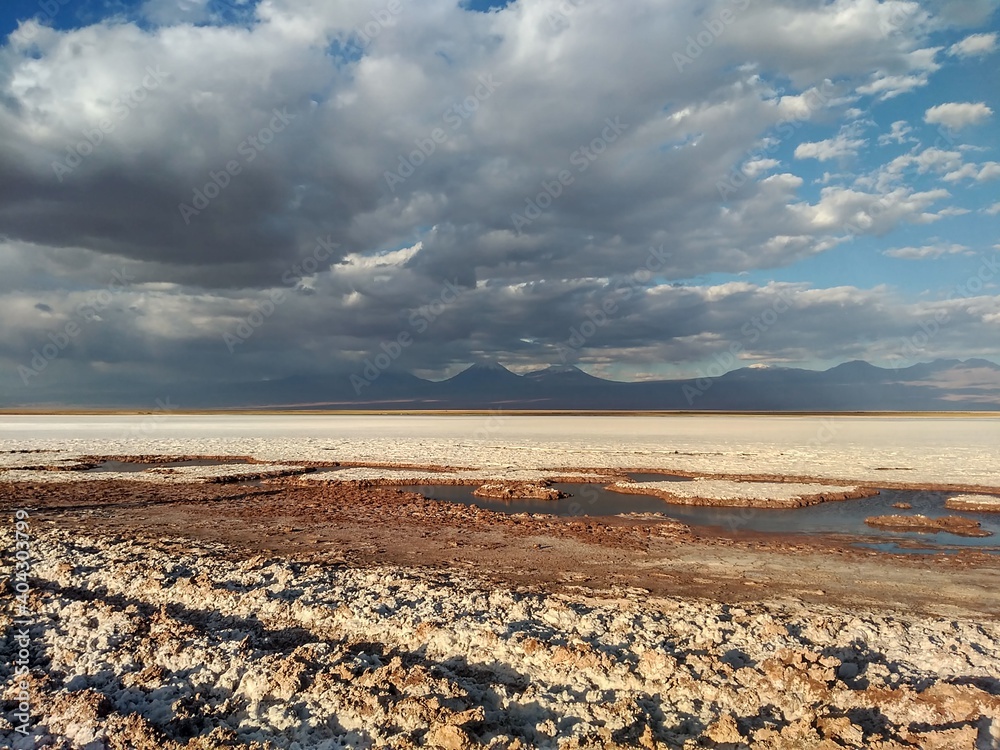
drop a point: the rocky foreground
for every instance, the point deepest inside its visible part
(188, 645)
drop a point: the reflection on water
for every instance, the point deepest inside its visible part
(845, 517)
(836, 517)
(584, 500)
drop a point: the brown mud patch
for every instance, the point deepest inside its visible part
(957, 525)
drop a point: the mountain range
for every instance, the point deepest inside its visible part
(941, 385)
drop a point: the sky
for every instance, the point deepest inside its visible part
(217, 191)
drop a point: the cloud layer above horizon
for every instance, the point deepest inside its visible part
(197, 190)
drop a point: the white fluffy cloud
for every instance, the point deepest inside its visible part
(975, 45)
(957, 115)
(831, 148)
(988, 171)
(979, 172)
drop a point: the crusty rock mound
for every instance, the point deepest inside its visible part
(958, 525)
(737, 494)
(519, 491)
(978, 503)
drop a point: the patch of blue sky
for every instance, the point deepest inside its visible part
(485, 6)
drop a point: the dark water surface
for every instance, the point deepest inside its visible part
(584, 500)
(837, 517)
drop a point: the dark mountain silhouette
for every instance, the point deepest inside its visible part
(941, 385)
(565, 374)
(483, 375)
(856, 371)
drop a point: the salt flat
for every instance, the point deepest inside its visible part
(909, 450)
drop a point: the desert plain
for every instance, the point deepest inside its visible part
(262, 581)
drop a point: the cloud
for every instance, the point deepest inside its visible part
(832, 148)
(993, 210)
(964, 172)
(924, 161)
(957, 115)
(759, 166)
(887, 84)
(900, 133)
(890, 86)
(844, 211)
(166, 12)
(953, 211)
(974, 45)
(355, 119)
(279, 126)
(988, 171)
(979, 172)
(964, 14)
(927, 251)
(181, 332)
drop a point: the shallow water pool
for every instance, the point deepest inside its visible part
(836, 517)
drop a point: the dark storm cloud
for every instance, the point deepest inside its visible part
(147, 122)
(533, 158)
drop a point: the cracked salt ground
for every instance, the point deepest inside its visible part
(176, 646)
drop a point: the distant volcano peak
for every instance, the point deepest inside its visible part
(486, 369)
(487, 366)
